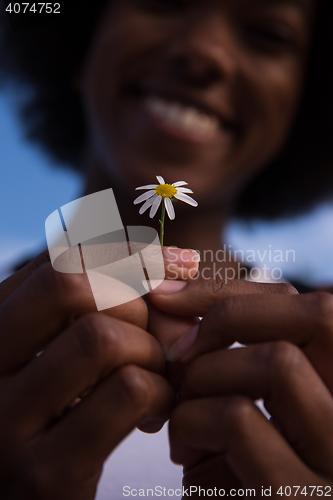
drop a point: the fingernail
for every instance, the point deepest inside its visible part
(183, 345)
(182, 257)
(169, 287)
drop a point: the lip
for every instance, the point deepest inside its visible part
(190, 98)
(185, 98)
(188, 136)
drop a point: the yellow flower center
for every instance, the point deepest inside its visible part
(165, 190)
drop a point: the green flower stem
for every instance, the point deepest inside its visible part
(162, 223)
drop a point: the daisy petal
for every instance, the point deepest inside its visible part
(144, 197)
(146, 205)
(186, 199)
(180, 183)
(160, 179)
(169, 208)
(149, 186)
(184, 190)
(155, 206)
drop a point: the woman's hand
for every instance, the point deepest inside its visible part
(52, 442)
(175, 307)
(52, 448)
(216, 430)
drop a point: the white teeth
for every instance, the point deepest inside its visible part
(184, 117)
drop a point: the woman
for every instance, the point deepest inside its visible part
(224, 95)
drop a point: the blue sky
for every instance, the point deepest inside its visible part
(31, 188)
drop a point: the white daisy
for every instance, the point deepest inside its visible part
(163, 192)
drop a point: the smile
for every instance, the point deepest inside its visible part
(185, 118)
(184, 121)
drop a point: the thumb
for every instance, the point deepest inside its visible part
(196, 297)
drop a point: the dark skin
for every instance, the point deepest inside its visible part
(216, 431)
(99, 376)
(244, 62)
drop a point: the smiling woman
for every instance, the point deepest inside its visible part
(235, 97)
(264, 34)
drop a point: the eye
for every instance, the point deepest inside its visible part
(161, 5)
(167, 2)
(275, 37)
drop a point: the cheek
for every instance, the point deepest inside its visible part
(115, 55)
(273, 101)
(282, 96)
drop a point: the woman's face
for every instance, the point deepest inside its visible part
(197, 90)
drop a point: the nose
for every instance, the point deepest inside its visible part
(203, 53)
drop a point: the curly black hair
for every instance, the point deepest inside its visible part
(47, 57)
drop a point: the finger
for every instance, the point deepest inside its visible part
(301, 319)
(89, 433)
(234, 426)
(48, 301)
(43, 306)
(77, 360)
(12, 283)
(293, 393)
(167, 329)
(178, 263)
(200, 295)
(210, 470)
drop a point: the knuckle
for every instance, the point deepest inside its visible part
(94, 334)
(216, 285)
(283, 360)
(321, 304)
(287, 288)
(63, 288)
(135, 387)
(227, 306)
(237, 413)
(134, 312)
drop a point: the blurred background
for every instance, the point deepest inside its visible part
(32, 187)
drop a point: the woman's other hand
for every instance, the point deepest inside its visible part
(217, 431)
(98, 377)
(175, 308)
